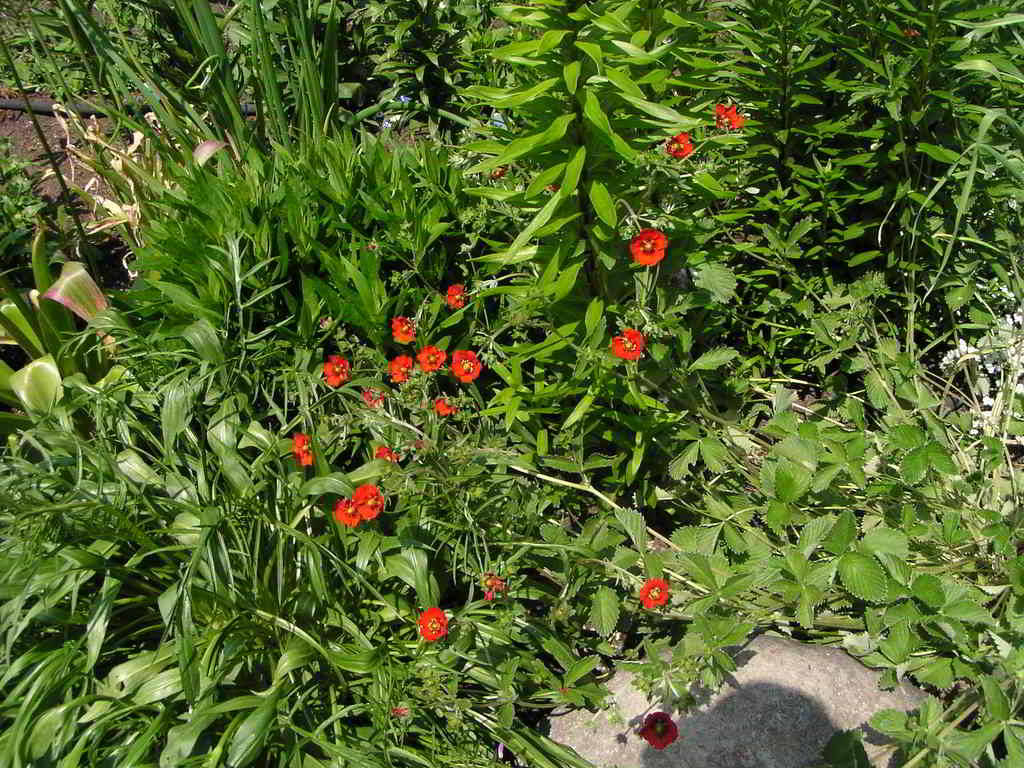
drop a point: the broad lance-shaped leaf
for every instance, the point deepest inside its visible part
(15, 328)
(38, 384)
(77, 291)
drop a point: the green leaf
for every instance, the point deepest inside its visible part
(969, 611)
(996, 703)
(716, 279)
(887, 541)
(863, 577)
(635, 525)
(205, 341)
(713, 359)
(247, 743)
(791, 481)
(928, 589)
(936, 152)
(593, 112)
(666, 115)
(571, 75)
(846, 750)
(603, 204)
(509, 97)
(38, 385)
(843, 533)
(604, 611)
(969, 745)
(914, 465)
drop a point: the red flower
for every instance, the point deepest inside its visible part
(500, 171)
(336, 370)
(399, 368)
(648, 247)
(679, 146)
(373, 398)
(383, 452)
(443, 407)
(403, 329)
(911, 32)
(399, 711)
(300, 447)
(346, 514)
(456, 296)
(630, 345)
(659, 730)
(655, 592)
(431, 358)
(433, 624)
(466, 366)
(727, 116)
(368, 501)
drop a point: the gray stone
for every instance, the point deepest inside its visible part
(778, 710)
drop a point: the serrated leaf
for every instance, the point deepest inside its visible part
(716, 279)
(604, 610)
(863, 577)
(635, 525)
(970, 744)
(996, 703)
(791, 481)
(877, 392)
(842, 534)
(813, 532)
(914, 465)
(928, 589)
(967, 610)
(886, 540)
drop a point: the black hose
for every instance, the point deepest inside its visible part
(45, 107)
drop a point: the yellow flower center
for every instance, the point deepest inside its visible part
(655, 593)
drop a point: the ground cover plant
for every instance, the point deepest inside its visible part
(671, 326)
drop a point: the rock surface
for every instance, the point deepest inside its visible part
(782, 705)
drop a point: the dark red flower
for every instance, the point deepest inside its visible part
(443, 407)
(659, 730)
(630, 345)
(368, 501)
(500, 171)
(911, 32)
(648, 247)
(399, 711)
(373, 398)
(433, 624)
(403, 329)
(431, 358)
(399, 368)
(655, 593)
(679, 146)
(466, 366)
(336, 370)
(493, 585)
(300, 447)
(383, 452)
(346, 514)
(456, 296)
